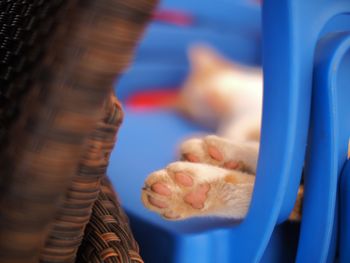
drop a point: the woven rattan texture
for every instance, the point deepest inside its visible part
(58, 94)
(69, 224)
(108, 237)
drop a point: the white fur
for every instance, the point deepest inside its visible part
(223, 199)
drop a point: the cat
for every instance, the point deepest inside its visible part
(216, 174)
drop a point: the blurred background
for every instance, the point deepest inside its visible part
(230, 26)
(150, 134)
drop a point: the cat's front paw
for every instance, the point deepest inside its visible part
(221, 152)
(186, 189)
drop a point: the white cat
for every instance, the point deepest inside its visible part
(217, 173)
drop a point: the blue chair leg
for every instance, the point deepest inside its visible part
(344, 240)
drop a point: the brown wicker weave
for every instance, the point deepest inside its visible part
(58, 121)
(107, 236)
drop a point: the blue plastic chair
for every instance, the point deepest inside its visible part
(296, 36)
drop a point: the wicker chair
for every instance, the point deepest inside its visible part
(59, 119)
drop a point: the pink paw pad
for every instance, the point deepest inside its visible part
(183, 179)
(191, 157)
(158, 203)
(197, 198)
(215, 153)
(161, 189)
(231, 165)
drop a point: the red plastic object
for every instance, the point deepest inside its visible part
(174, 17)
(153, 99)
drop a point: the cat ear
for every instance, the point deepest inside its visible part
(204, 58)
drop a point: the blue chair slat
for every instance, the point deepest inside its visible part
(329, 133)
(344, 240)
(287, 61)
(290, 33)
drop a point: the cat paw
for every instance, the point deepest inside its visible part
(186, 189)
(221, 152)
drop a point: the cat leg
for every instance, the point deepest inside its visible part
(221, 152)
(243, 128)
(186, 189)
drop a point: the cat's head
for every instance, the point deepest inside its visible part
(206, 95)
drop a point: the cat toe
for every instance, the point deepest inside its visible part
(214, 150)
(157, 202)
(161, 189)
(156, 192)
(230, 155)
(153, 202)
(171, 215)
(215, 153)
(183, 179)
(199, 151)
(190, 157)
(191, 150)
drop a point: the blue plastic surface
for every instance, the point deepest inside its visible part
(292, 29)
(328, 145)
(344, 240)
